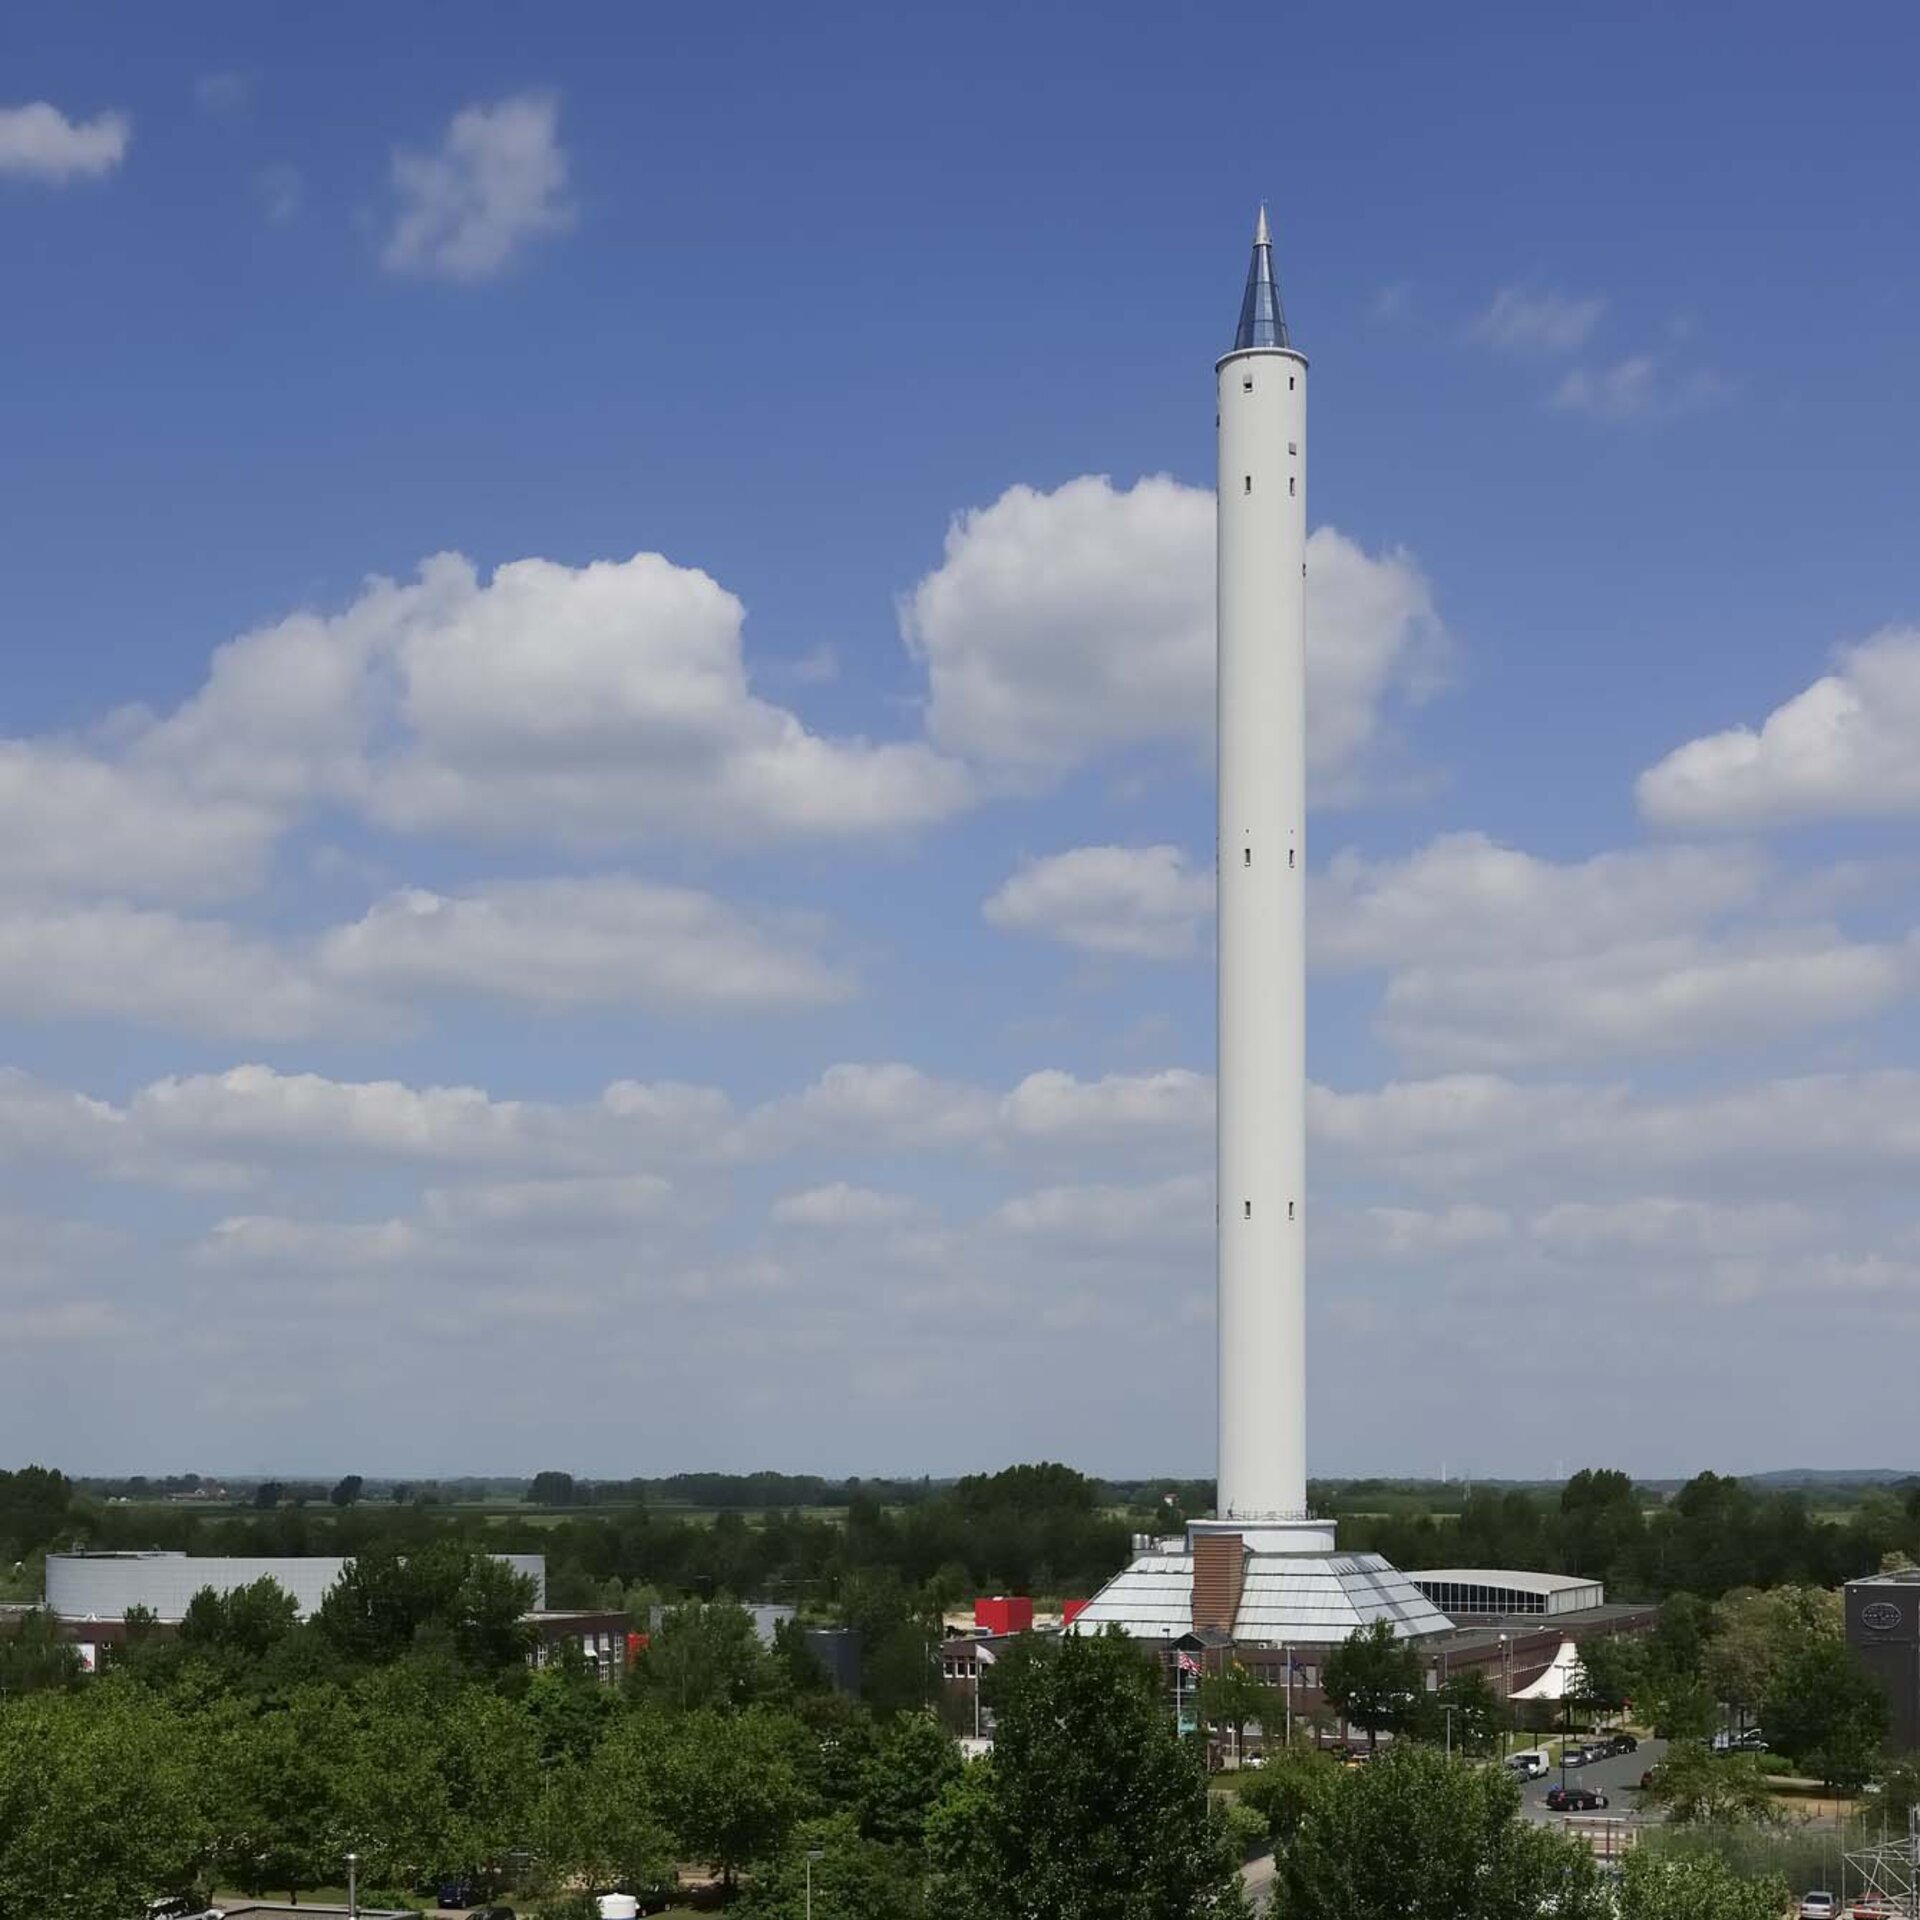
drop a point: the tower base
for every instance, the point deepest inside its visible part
(1294, 1588)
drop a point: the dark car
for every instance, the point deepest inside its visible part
(491, 1913)
(1575, 1799)
(1623, 1743)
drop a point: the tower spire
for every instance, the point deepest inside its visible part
(1263, 320)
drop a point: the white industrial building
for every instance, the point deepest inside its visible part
(102, 1586)
(1502, 1593)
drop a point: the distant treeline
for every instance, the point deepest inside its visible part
(1045, 1530)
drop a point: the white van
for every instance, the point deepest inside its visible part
(1530, 1764)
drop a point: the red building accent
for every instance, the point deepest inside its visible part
(1004, 1613)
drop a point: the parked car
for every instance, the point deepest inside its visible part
(1752, 1741)
(1623, 1743)
(1817, 1906)
(1575, 1799)
(491, 1913)
(1530, 1764)
(1575, 1756)
(1871, 1907)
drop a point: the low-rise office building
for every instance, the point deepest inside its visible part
(1883, 1628)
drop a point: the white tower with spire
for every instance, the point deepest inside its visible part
(1261, 1145)
(1264, 1572)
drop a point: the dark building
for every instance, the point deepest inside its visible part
(1883, 1628)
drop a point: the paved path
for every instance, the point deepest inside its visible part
(1257, 1877)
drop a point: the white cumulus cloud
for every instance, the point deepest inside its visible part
(1143, 902)
(604, 941)
(1536, 320)
(39, 142)
(1062, 625)
(497, 181)
(1846, 746)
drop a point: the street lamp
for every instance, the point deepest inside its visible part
(813, 1854)
(353, 1886)
(1506, 1697)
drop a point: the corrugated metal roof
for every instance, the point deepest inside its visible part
(1514, 1577)
(1286, 1597)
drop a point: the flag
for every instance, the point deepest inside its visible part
(1188, 1664)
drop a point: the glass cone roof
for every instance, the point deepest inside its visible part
(1263, 320)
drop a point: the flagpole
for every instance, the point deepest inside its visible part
(1286, 1651)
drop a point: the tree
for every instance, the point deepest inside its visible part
(1374, 1678)
(1091, 1805)
(1827, 1712)
(268, 1495)
(35, 1658)
(1415, 1836)
(1662, 1887)
(385, 1603)
(1464, 1714)
(1234, 1698)
(704, 1655)
(1755, 1630)
(551, 1489)
(1286, 1788)
(244, 1620)
(855, 1878)
(347, 1490)
(98, 1803)
(1701, 1788)
(727, 1785)
(1609, 1673)
(909, 1771)
(599, 1822)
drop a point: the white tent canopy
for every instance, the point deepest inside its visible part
(1557, 1681)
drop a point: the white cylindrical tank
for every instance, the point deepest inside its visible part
(618, 1906)
(1261, 638)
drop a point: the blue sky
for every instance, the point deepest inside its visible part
(605, 773)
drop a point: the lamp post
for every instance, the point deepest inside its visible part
(1506, 1697)
(353, 1886)
(1449, 1709)
(813, 1854)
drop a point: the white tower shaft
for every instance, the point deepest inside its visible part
(1261, 637)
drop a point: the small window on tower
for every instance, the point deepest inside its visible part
(1246, 856)
(1293, 485)
(1246, 383)
(1289, 383)
(1289, 1209)
(1248, 485)
(1249, 1207)
(1289, 858)
(1293, 447)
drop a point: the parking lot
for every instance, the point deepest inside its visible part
(1618, 1777)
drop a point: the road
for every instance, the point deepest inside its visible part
(1618, 1777)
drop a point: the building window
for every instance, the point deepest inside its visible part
(1249, 1206)
(1289, 1209)
(1249, 483)
(1289, 858)
(1246, 383)
(1289, 383)
(1246, 856)
(1293, 485)
(1293, 447)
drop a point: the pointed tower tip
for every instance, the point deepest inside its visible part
(1263, 321)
